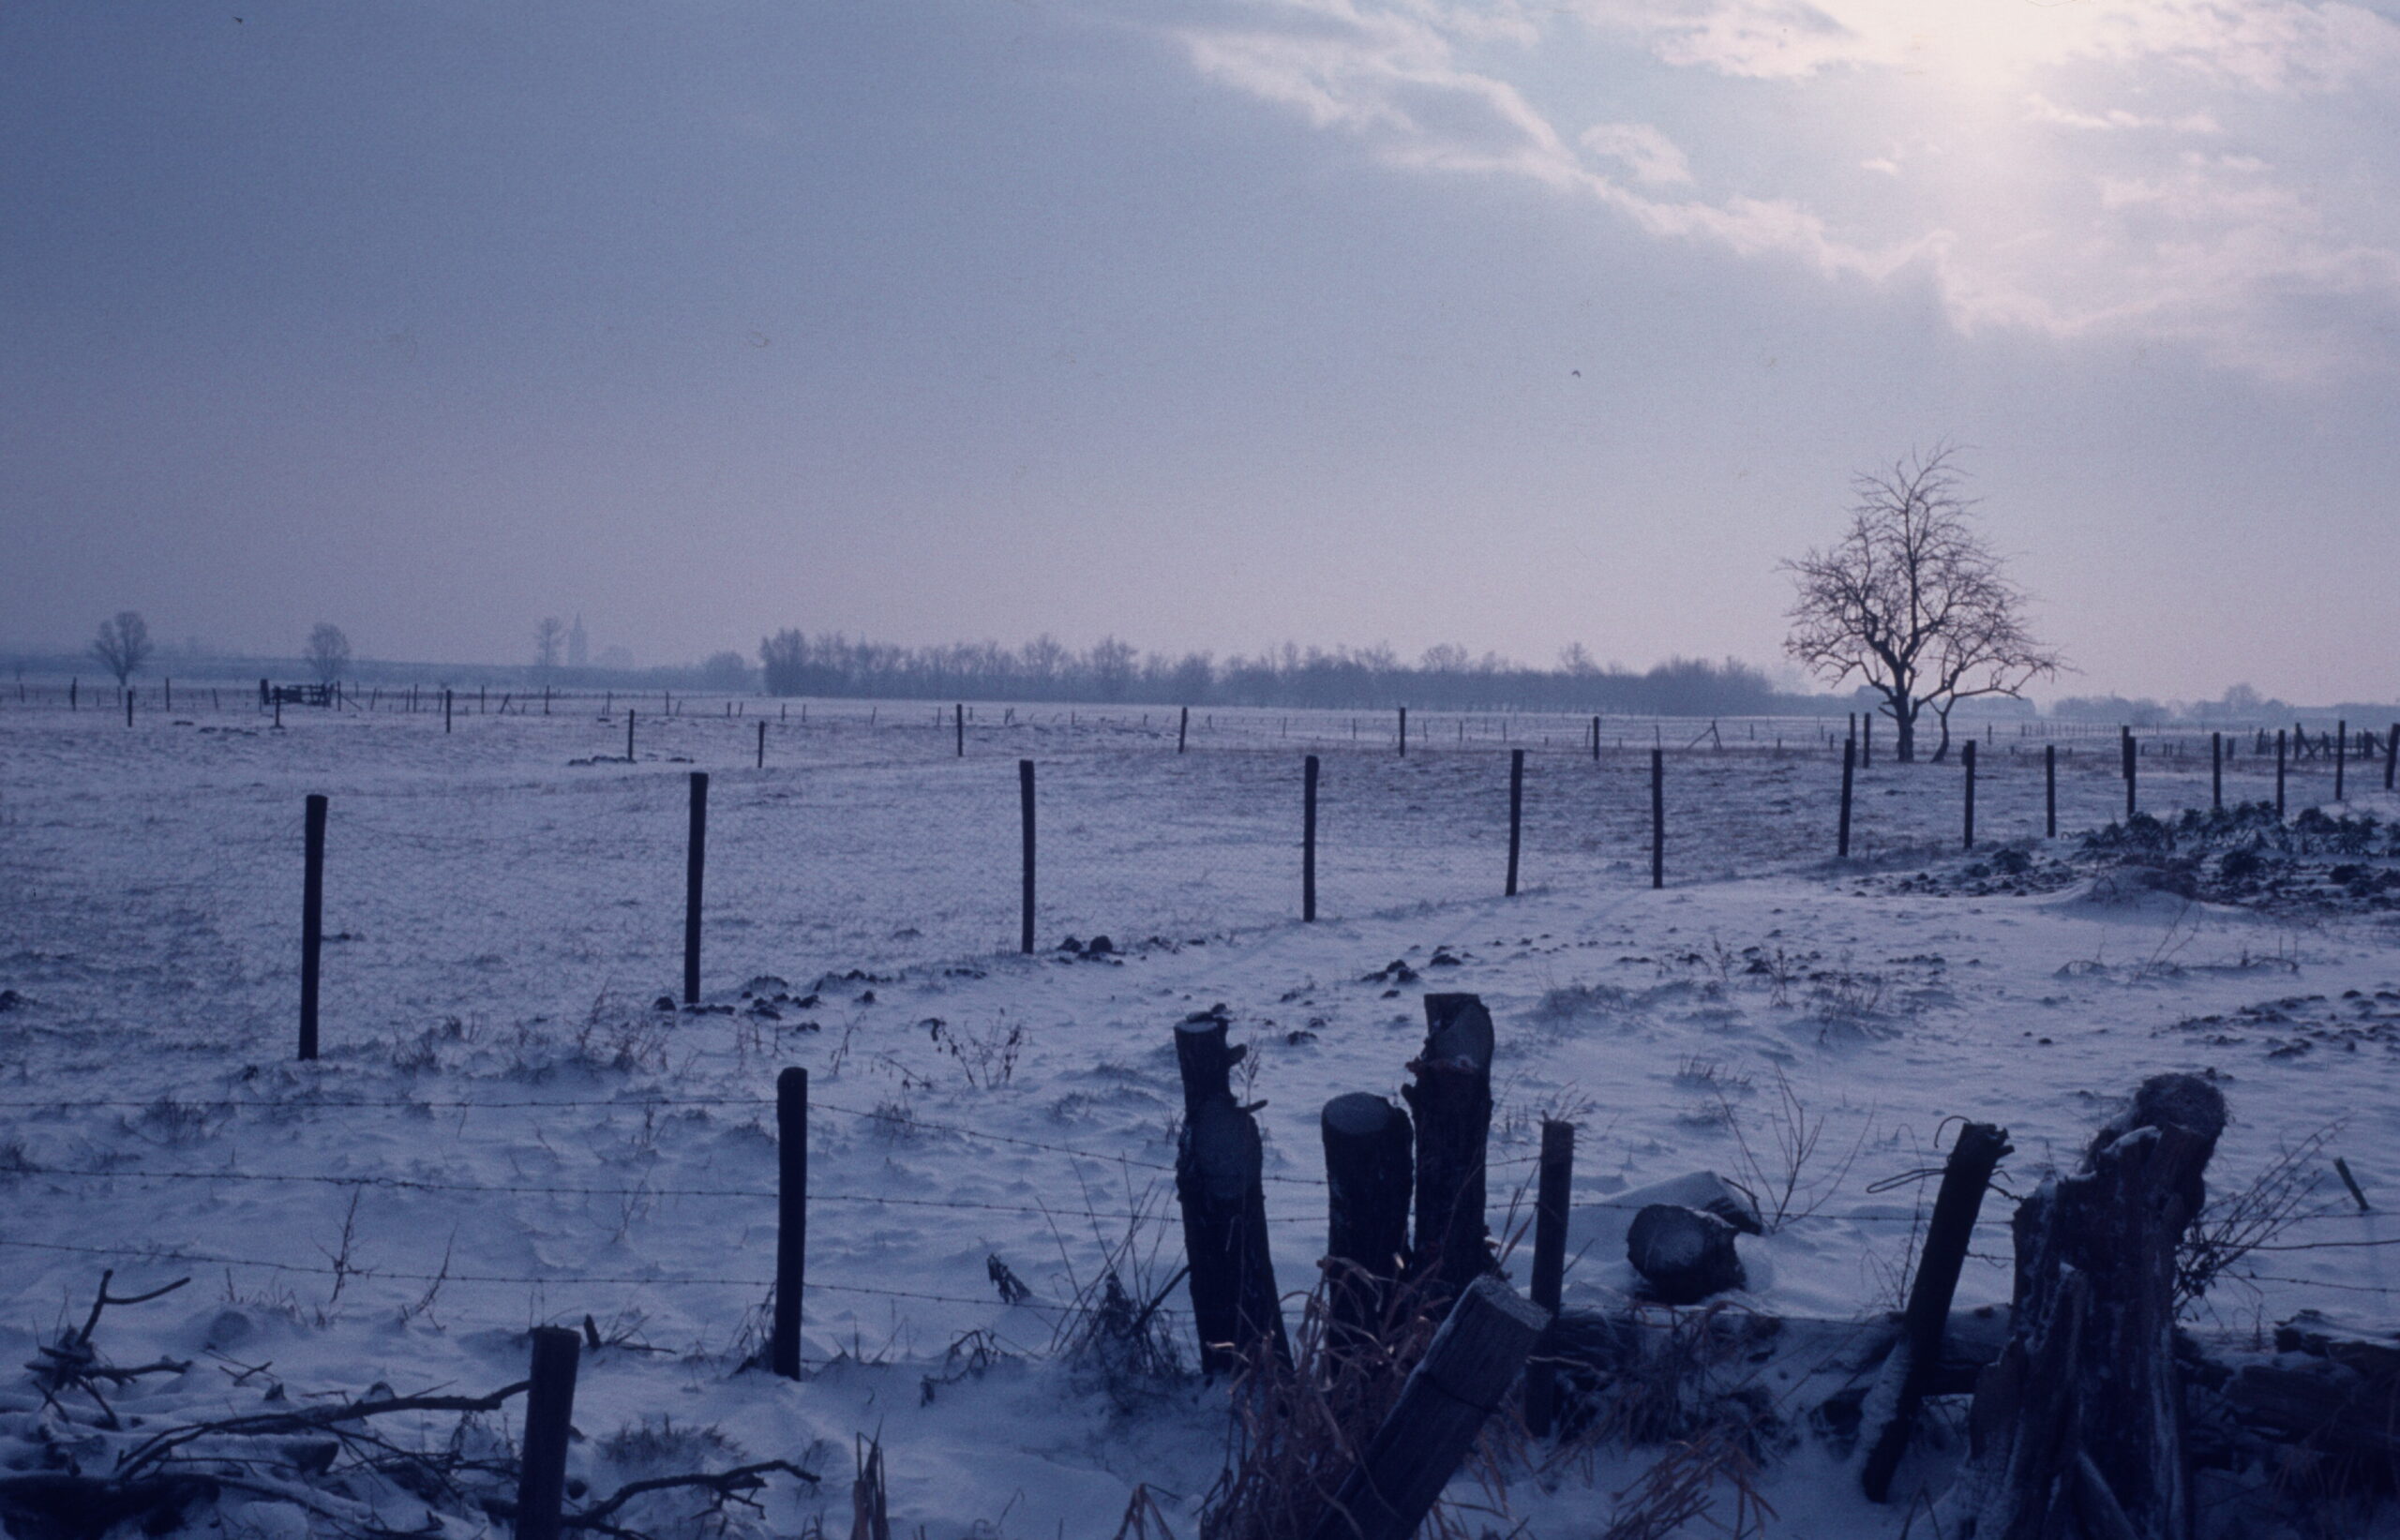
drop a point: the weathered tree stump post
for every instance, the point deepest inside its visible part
(1467, 1370)
(2083, 1415)
(549, 1408)
(1370, 1152)
(1910, 1368)
(1551, 1194)
(1219, 1172)
(1451, 1099)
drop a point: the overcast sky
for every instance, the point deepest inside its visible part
(1206, 325)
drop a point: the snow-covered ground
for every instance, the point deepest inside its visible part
(505, 1105)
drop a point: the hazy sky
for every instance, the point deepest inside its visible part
(1207, 324)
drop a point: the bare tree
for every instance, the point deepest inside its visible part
(1913, 601)
(328, 651)
(549, 635)
(124, 644)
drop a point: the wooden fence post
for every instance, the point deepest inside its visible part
(1849, 772)
(1404, 732)
(2126, 755)
(128, 706)
(312, 919)
(2216, 772)
(1182, 729)
(762, 744)
(1967, 764)
(2279, 774)
(1369, 1153)
(695, 850)
(1024, 814)
(167, 694)
(1516, 813)
(1866, 738)
(549, 1407)
(791, 1215)
(1658, 817)
(1979, 1149)
(1308, 838)
(1550, 1192)
(1595, 740)
(2051, 789)
(2083, 1412)
(445, 708)
(961, 709)
(1220, 1184)
(2391, 754)
(1451, 1098)
(2341, 754)
(1460, 1381)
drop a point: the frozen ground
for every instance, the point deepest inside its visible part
(503, 1105)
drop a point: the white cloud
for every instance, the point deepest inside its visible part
(1650, 154)
(2032, 161)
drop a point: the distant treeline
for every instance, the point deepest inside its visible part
(1444, 679)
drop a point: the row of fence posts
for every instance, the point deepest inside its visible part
(1854, 757)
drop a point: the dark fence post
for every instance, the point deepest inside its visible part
(696, 850)
(2391, 754)
(2341, 753)
(1658, 817)
(629, 735)
(1369, 1156)
(2050, 788)
(1220, 1184)
(791, 1215)
(1025, 810)
(1967, 763)
(1917, 1360)
(1848, 772)
(2279, 773)
(1595, 740)
(2127, 753)
(445, 708)
(1549, 1261)
(961, 709)
(1404, 732)
(2216, 771)
(312, 920)
(1182, 729)
(1307, 837)
(762, 744)
(1467, 1370)
(1451, 1098)
(1866, 738)
(549, 1407)
(128, 706)
(1516, 813)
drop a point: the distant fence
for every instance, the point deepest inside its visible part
(839, 839)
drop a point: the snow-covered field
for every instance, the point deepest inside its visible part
(504, 1131)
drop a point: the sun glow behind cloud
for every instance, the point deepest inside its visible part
(2147, 171)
